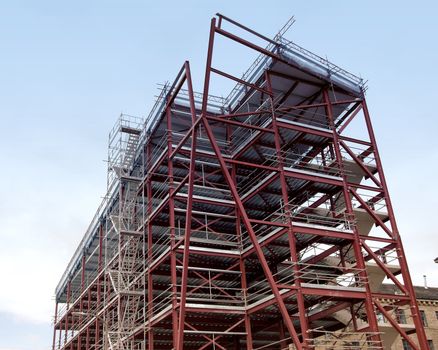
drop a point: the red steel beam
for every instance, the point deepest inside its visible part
(304, 323)
(252, 235)
(356, 243)
(188, 225)
(238, 201)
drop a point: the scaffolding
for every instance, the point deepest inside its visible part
(253, 221)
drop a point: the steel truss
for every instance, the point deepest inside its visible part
(251, 222)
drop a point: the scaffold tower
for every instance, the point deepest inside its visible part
(255, 221)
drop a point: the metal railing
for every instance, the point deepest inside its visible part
(361, 152)
(307, 117)
(327, 275)
(83, 244)
(385, 255)
(321, 217)
(316, 217)
(157, 151)
(158, 247)
(159, 303)
(211, 237)
(241, 135)
(330, 67)
(339, 276)
(260, 62)
(122, 146)
(375, 203)
(344, 340)
(211, 294)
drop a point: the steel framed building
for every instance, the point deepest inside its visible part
(255, 221)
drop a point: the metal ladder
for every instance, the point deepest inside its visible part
(129, 153)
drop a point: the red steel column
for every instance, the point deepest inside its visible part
(244, 284)
(87, 346)
(188, 226)
(304, 324)
(236, 196)
(172, 228)
(150, 283)
(371, 315)
(54, 325)
(67, 310)
(81, 302)
(99, 292)
(258, 249)
(421, 335)
(87, 338)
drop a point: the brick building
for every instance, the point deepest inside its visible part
(428, 305)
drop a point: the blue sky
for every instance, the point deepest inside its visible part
(67, 69)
